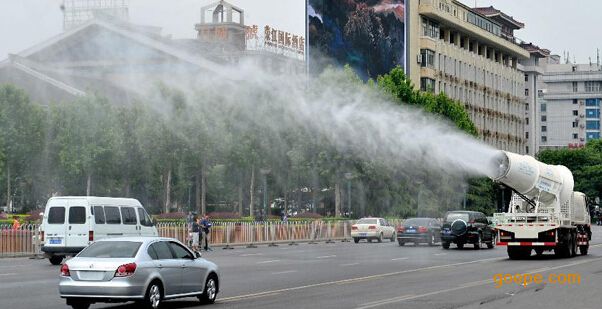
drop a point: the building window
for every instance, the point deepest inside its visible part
(575, 113)
(526, 134)
(592, 86)
(430, 28)
(544, 129)
(526, 77)
(592, 113)
(592, 102)
(574, 101)
(593, 135)
(526, 92)
(527, 149)
(544, 118)
(427, 84)
(575, 124)
(575, 136)
(592, 124)
(526, 120)
(526, 106)
(574, 86)
(427, 58)
(543, 107)
(544, 139)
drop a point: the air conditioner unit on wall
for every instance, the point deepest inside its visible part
(419, 59)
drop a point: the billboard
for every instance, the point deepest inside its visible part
(368, 35)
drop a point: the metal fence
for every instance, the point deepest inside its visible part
(25, 241)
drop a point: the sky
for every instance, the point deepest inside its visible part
(558, 25)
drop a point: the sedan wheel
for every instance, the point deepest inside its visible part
(393, 237)
(210, 292)
(380, 237)
(432, 240)
(153, 296)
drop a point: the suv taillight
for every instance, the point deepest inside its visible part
(65, 271)
(125, 270)
(91, 236)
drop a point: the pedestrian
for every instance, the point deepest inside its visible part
(206, 228)
(195, 230)
(16, 223)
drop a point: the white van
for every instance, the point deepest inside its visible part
(71, 223)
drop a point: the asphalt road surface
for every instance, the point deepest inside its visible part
(348, 275)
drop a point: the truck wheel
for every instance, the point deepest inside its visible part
(55, 259)
(563, 250)
(573, 244)
(518, 253)
(583, 249)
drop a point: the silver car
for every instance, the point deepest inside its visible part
(147, 270)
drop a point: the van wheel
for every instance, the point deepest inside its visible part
(210, 292)
(55, 259)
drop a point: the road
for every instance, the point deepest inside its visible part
(348, 275)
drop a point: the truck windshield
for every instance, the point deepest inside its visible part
(111, 249)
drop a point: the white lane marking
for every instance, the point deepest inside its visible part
(464, 286)
(284, 272)
(326, 256)
(439, 254)
(386, 301)
(251, 254)
(399, 259)
(9, 274)
(350, 264)
(260, 294)
(270, 261)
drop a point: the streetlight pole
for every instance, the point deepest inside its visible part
(349, 176)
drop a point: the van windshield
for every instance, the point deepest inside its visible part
(111, 249)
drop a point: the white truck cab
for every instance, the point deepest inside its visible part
(71, 223)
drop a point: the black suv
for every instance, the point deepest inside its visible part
(466, 227)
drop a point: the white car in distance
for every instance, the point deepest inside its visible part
(372, 228)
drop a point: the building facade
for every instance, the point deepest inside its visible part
(471, 55)
(568, 104)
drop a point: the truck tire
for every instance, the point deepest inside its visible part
(573, 244)
(518, 253)
(562, 250)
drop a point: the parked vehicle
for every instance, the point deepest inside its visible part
(147, 270)
(71, 223)
(466, 227)
(419, 230)
(372, 228)
(544, 213)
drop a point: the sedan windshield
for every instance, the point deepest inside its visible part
(367, 221)
(111, 249)
(455, 216)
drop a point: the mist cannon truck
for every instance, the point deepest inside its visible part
(544, 213)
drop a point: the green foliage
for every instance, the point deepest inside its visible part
(585, 164)
(161, 152)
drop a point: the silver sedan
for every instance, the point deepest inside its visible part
(147, 270)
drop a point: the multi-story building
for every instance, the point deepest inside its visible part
(533, 68)
(568, 103)
(471, 55)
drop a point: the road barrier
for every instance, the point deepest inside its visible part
(25, 241)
